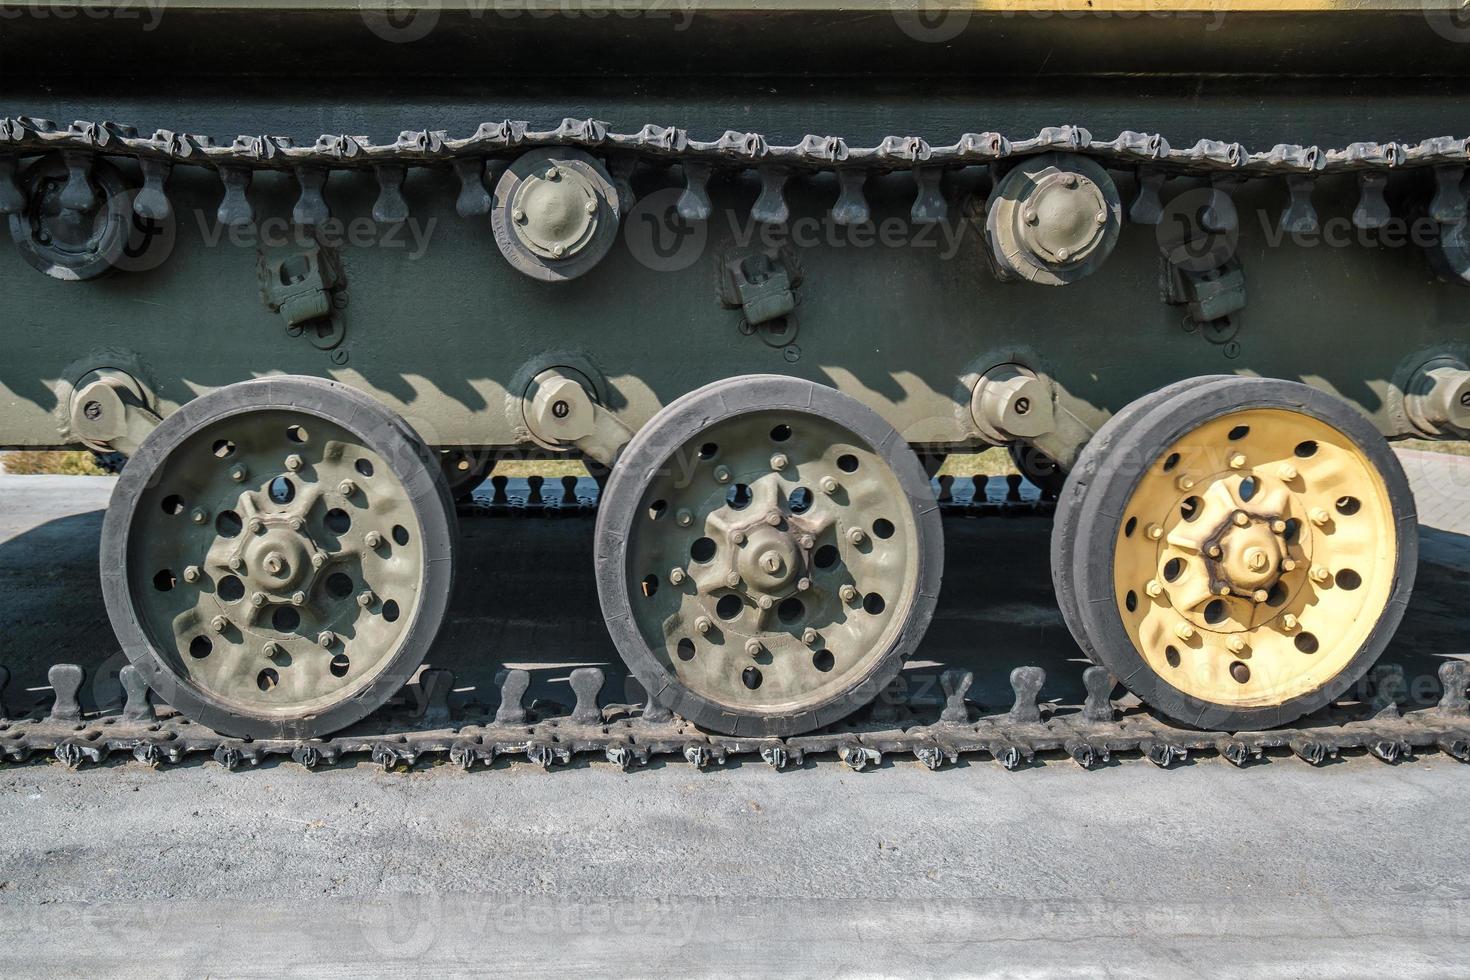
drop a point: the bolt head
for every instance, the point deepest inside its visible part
(558, 250)
(1237, 461)
(1155, 532)
(1242, 519)
(297, 524)
(829, 485)
(199, 515)
(732, 580)
(1321, 575)
(722, 474)
(590, 207)
(1287, 472)
(1030, 216)
(676, 576)
(1185, 483)
(774, 518)
(1260, 595)
(1101, 217)
(347, 488)
(1288, 564)
(298, 598)
(236, 562)
(1214, 551)
(1319, 516)
(258, 599)
(191, 574)
(809, 637)
(272, 649)
(255, 526)
(1184, 631)
(738, 537)
(803, 584)
(684, 518)
(326, 638)
(779, 461)
(848, 593)
(1063, 254)
(219, 624)
(294, 462)
(703, 625)
(806, 541)
(1154, 588)
(518, 216)
(766, 602)
(552, 173)
(1288, 622)
(238, 473)
(1069, 180)
(366, 599)
(372, 539)
(1278, 526)
(318, 560)
(752, 647)
(1235, 644)
(856, 535)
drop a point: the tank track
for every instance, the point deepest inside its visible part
(1224, 164)
(421, 726)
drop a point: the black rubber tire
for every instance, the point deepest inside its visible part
(671, 428)
(411, 461)
(1075, 489)
(1115, 477)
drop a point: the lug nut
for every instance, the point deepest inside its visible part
(1237, 461)
(1260, 595)
(803, 584)
(258, 599)
(1319, 516)
(774, 518)
(1278, 526)
(318, 560)
(255, 526)
(806, 541)
(856, 535)
(372, 539)
(1288, 622)
(738, 537)
(684, 518)
(676, 576)
(1287, 472)
(829, 485)
(236, 562)
(1242, 519)
(752, 647)
(1155, 532)
(517, 215)
(703, 625)
(238, 473)
(219, 624)
(558, 250)
(1214, 551)
(1185, 483)
(1101, 217)
(326, 638)
(1154, 588)
(1288, 564)
(297, 524)
(191, 574)
(809, 637)
(848, 593)
(198, 516)
(1321, 575)
(298, 598)
(347, 488)
(293, 462)
(366, 599)
(590, 207)
(1223, 589)
(732, 580)
(779, 461)
(552, 173)
(765, 602)
(722, 474)
(1184, 631)
(272, 649)
(1235, 644)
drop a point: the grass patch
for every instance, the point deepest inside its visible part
(79, 463)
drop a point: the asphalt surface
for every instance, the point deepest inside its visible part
(1353, 869)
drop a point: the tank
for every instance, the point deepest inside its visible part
(316, 269)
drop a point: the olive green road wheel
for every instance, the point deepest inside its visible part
(1245, 551)
(277, 557)
(768, 554)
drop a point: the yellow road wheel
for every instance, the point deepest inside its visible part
(1247, 549)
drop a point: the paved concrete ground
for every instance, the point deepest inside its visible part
(1355, 869)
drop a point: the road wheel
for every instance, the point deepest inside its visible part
(768, 553)
(1245, 550)
(277, 557)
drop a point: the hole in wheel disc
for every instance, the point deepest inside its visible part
(1305, 450)
(709, 451)
(729, 606)
(1248, 488)
(339, 585)
(267, 679)
(1171, 462)
(340, 665)
(228, 524)
(874, 604)
(1130, 527)
(781, 433)
(1239, 432)
(1173, 568)
(650, 585)
(883, 528)
(823, 660)
(847, 463)
(281, 491)
(1131, 601)
(337, 521)
(685, 649)
(790, 610)
(1215, 612)
(1171, 655)
(1348, 579)
(224, 448)
(1190, 509)
(364, 467)
(738, 496)
(200, 647)
(390, 611)
(751, 677)
(1306, 642)
(800, 500)
(297, 434)
(1240, 672)
(230, 589)
(285, 619)
(657, 509)
(1348, 506)
(164, 581)
(702, 550)
(400, 535)
(826, 556)
(173, 505)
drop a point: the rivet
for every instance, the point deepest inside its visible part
(293, 462)
(809, 637)
(703, 624)
(856, 535)
(848, 593)
(1319, 516)
(1242, 519)
(326, 638)
(765, 602)
(255, 526)
(191, 574)
(219, 624)
(722, 474)
(779, 461)
(1235, 644)
(1185, 482)
(732, 580)
(366, 599)
(238, 473)
(1184, 631)
(1237, 461)
(829, 485)
(803, 584)
(753, 647)
(347, 488)
(676, 576)
(298, 598)
(258, 599)
(199, 516)
(1154, 588)
(372, 539)
(1287, 472)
